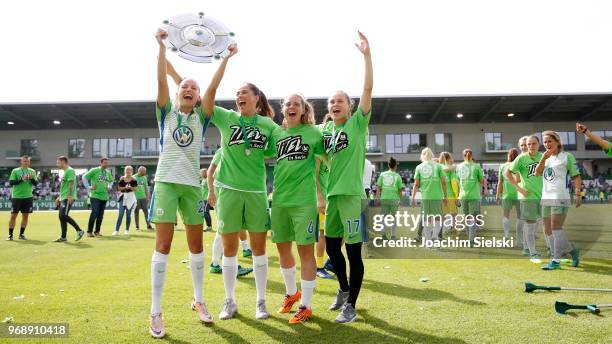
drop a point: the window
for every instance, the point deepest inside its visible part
(405, 143)
(372, 143)
(493, 141)
(568, 139)
(149, 144)
(604, 134)
(76, 148)
(112, 148)
(443, 142)
(29, 147)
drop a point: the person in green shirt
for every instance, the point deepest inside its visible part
(471, 178)
(429, 178)
(322, 181)
(389, 191)
(242, 182)
(507, 195)
(204, 188)
(605, 145)
(67, 196)
(346, 197)
(97, 180)
(529, 192)
(22, 181)
(294, 211)
(143, 196)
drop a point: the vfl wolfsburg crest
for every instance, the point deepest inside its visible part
(388, 180)
(183, 136)
(463, 172)
(549, 174)
(426, 170)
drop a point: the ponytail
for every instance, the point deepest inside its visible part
(263, 106)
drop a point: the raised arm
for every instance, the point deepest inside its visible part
(208, 99)
(365, 102)
(173, 73)
(581, 128)
(163, 94)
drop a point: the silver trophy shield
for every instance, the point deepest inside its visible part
(197, 38)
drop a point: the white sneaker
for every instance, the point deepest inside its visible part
(261, 313)
(156, 326)
(126, 233)
(115, 233)
(202, 311)
(229, 310)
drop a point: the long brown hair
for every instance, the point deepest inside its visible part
(309, 114)
(263, 107)
(512, 154)
(444, 158)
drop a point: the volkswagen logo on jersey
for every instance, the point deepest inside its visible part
(463, 172)
(427, 171)
(183, 136)
(388, 180)
(549, 174)
(292, 149)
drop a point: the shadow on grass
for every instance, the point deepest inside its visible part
(425, 294)
(30, 242)
(277, 329)
(279, 287)
(78, 244)
(142, 236)
(602, 266)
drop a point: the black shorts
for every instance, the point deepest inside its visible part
(23, 205)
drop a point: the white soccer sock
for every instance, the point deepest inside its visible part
(245, 244)
(196, 265)
(519, 232)
(472, 232)
(529, 234)
(217, 250)
(158, 276)
(307, 291)
(427, 232)
(289, 278)
(549, 241)
(506, 225)
(436, 231)
(230, 272)
(562, 245)
(260, 270)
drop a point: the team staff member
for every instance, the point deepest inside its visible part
(68, 193)
(97, 180)
(143, 197)
(22, 180)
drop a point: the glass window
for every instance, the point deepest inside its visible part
(112, 148)
(605, 134)
(443, 142)
(372, 143)
(405, 143)
(29, 147)
(76, 148)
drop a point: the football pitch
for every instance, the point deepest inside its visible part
(101, 287)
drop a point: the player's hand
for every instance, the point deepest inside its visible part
(212, 198)
(363, 45)
(458, 203)
(70, 200)
(581, 128)
(233, 50)
(160, 36)
(321, 204)
(522, 191)
(444, 202)
(413, 202)
(577, 200)
(497, 199)
(547, 154)
(93, 187)
(58, 200)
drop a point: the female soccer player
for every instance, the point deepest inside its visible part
(177, 186)
(294, 205)
(322, 181)
(389, 191)
(429, 179)
(345, 190)
(507, 194)
(556, 167)
(529, 192)
(471, 178)
(242, 183)
(605, 145)
(127, 200)
(449, 208)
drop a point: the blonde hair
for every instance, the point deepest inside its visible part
(444, 158)
(426, 154)
(555, 136)
(177, 103)
(128, 167)
(309, 114)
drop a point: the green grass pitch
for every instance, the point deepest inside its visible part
(101, 287)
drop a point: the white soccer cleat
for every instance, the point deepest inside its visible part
(115, 233)
(261, 313)
(156, 326)
(229, 310)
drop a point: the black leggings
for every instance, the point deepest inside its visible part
(207, 218)
(65, 219)
(353, 251)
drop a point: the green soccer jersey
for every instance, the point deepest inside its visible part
(390, 184)
(323, 178)
(24, 188)
(204, 189)
(346, 148)
(448, 179)
(100, 178)
(294, 174)
(217, 161)
(470, 174)
(428, 174)
(525, 166)
(69, 176)
(243, 167)
(143, 185)
(610, 148)
(508, 190)
(180, 141)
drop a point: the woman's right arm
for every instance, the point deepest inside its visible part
(208, 99)
(163, 94)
